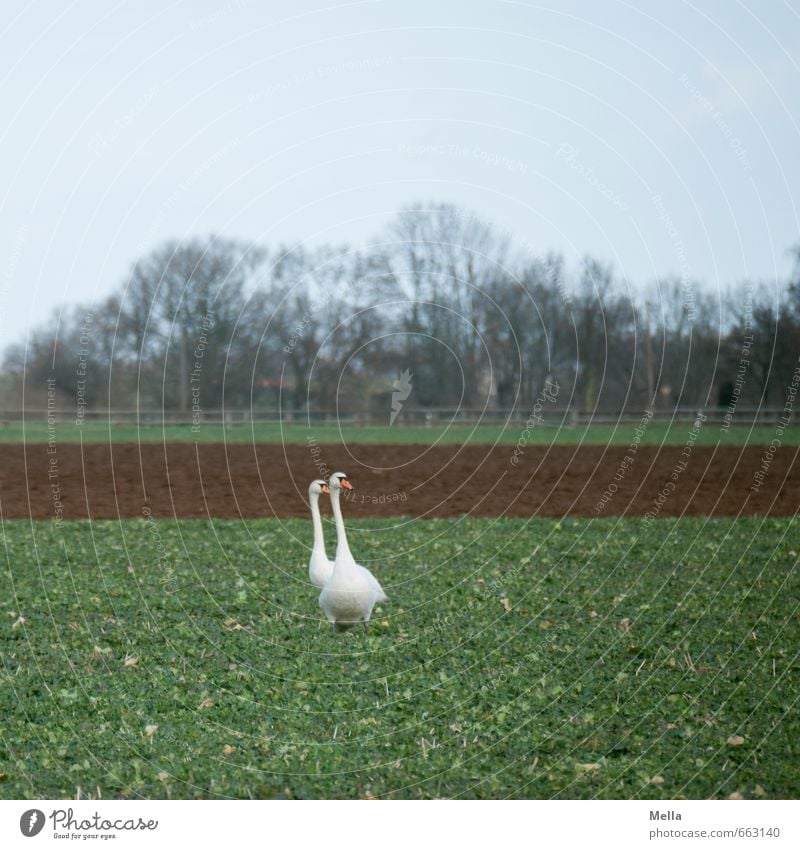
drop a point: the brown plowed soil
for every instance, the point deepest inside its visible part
(110, 481)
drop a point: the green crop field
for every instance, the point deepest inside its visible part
(543, 659)
(656, 433)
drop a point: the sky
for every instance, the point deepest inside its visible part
(660, 137)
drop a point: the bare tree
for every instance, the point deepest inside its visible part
(445, 263)
(442, 295)
(178, 312)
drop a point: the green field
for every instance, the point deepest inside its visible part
(542, 659)
(657, 433)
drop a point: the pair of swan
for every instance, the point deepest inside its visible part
(349, 591)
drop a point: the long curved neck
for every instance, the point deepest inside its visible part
(319, 541)
(342, 548)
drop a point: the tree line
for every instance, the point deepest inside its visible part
(472, 320)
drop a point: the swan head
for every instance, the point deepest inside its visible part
(338, 481)
(317, 487)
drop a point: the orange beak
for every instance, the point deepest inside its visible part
(326, 489)
(346, 484)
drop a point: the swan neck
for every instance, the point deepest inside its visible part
(342, 548)
(316, 520)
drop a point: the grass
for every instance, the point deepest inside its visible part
(656, 433)
(541, 659)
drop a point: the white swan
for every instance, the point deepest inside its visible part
(351, 591)
(319, 567)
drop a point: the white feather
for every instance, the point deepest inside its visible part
(352, 591)
(319, 567)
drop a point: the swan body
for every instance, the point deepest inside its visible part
(319, 567)
(352, 591)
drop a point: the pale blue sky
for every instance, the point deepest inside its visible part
(128, 123)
